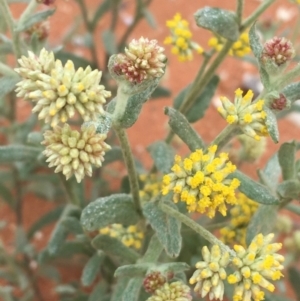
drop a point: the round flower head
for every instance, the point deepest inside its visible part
(201, 182)
(74, 152)
(143, 59)
(153, 281)
(239, 48)
(255, 267)
(59, 91)
(130, 236)
(279, 50)
(175, 291)
(210, 273)
(181, 39)
(241, 215)
(280, 103)
(249, 115)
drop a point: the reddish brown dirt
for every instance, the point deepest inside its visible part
(151, 125)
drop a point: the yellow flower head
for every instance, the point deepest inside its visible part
(201, 182)
(180, 39)
(130, 236)
(249, 115)
(256, 266)
(241, 215)
(240, 48)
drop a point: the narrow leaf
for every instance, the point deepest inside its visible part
(6, 196)
(114, 247)
(109, 41)
(92, 268)
(289, 189)
(271, 123)
(254, 41)
(117, 208)
(183, 129)
(133, 270)
(273, 171)
(99, 290)
(101, 10)
(72, 224)
(114, 154)
(263, 221)
(220, 21)
(167, 228)
(57, 239)
(7, 84)
(161, 92)
(133, 289)
(119, 289)
(149, 18)
(175, 267)
(163, 155)
(294, 277)
(286, 157)
(254, 190)
(12, 153)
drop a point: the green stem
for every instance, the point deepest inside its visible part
(6, 70)
(239, 11)
(72, 196)
(196, 227)
(226, 135)
(200, 82)
(6, 13)
(132, 174)
(294, 208)
(154, 250)
(265, 4)
(28, 11)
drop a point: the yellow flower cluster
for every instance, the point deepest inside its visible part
(256, 266)
(201, 182)
(180, 39)
(151, 186)
(249, 115)
(241, 215)
(130, 236)
(210, 273)
(240, 48)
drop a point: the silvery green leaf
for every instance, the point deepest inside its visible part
(163, 155)
(133, 289)
(292, 91)
(264, 77)
(114, 154)
(35, 138)
(220, 21)
(72, 224)
(289, 189)
(34, 19)
(133, 270)
(119, 288)
(254, 41)
(174, 267)
(114, 247)
(201, 103)
(101, 10)
(6, 196)
(253, 190)
(109, 41)
(7, 84)
(117, 208)
(57, 239)
(263, 221)
(149, 18)
(12, 153)
(286, 157)
(102, 124)
(99, 290)
(92, 268)
(271, 123)
(167, 228)
(160, 92)
(183, 129)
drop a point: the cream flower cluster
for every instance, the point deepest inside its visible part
(201, 182)
(249, 115)
(210, 273)
(59, 91)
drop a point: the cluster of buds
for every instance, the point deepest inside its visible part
(153, 281)
(151, 186)
(279, 103)
(279, 50)
(210, 273)
(142, 60)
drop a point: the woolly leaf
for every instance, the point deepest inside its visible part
(163, 155)
(160, 92)
(271, 123)
(286, 157)
(263, 221)
(201, 103)
(99, 290)
(254, 190)
(183, 129)
(264, 77)
(133, 289)
(109, 41)
(149, 18)
(119, 288)
(58, 237)
(7, 84)
(292, 91)
(34, 19)
(91, 268)
(174, 267)
(289, 189)
(254, 41)
(272, 171)
(133, 270)
(12, 153)
(117, 208)
(114, 154)
(73, 225)
(220, 21)
(167, 228)
(114, 247)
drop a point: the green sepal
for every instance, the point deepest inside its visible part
(181, 127)
(114, 247)
(263, 221)
(162, 154)
(271, 123)
(133, 288)
(220, 21)
(167, 228)
(286, 157)
(289, 189)
(253, 190)
(201, 103)
(92, 268)
(133, 270)
(114, 209)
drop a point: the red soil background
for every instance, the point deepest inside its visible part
(151, 125)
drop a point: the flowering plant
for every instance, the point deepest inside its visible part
(193, 225)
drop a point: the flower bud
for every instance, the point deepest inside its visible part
(154, 281)
(45, 2)
(279, 103)
(40, 30)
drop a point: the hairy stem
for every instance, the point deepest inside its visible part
(132, 174)
(239, 11)
(154, 250)
(72, 196)
(196, 227)
(226, 135)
